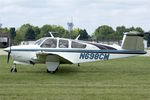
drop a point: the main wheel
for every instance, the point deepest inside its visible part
(11, 70)
(15, 70)
(52, 72)
(47, 71)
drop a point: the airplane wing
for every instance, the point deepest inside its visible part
(41, 57)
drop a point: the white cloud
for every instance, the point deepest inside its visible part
(87, 14)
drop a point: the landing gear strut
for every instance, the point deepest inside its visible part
(13, 69)
(78, 64)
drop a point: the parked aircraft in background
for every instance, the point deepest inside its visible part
(54, 51)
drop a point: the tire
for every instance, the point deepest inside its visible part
(11, 70)
(15, 70)
(47, 71)
(52, 72)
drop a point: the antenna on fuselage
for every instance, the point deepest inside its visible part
(77, 37)
(51, 34)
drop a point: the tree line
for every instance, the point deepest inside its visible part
(29, 32)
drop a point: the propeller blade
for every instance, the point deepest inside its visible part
(9, 52)
(8, 57)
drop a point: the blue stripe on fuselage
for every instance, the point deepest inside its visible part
(84, 51)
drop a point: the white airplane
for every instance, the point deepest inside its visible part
(55, 51)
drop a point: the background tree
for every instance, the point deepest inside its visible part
(75, 33)
(44, 31)
(83, 34)
(25, 32)
(103, 32)
(139, 29)
(4, 30)
(18, 39)
(29, 34)
(12, 34)
(59, 31)
(36, 30)
(121, 29)
(130, 29)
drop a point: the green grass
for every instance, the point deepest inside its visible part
(122, 79)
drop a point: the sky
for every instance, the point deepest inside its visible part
(86, 14)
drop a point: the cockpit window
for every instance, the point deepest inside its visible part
(49, 43)
(63, 43)
(38, 42)
(77, 45)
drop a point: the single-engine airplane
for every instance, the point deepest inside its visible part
(54, 51)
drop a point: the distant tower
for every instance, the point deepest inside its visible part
(70, 28)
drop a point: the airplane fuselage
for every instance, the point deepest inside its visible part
(92, 52)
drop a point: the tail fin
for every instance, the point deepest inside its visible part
(133, 41)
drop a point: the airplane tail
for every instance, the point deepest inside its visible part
(133, 41)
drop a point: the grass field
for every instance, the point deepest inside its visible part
(122, 79)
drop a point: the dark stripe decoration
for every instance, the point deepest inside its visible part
(103, 47)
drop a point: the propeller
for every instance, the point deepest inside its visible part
(9, 51)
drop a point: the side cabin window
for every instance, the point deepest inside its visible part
(77, 45)
(63, 43)
(49, 43)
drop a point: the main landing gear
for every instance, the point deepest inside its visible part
(52, 67)
(13, 69)
(52, 72)
(52, 63)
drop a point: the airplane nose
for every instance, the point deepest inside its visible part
(7, 49)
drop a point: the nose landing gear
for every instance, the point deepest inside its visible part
(13, 69)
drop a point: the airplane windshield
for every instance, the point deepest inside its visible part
(38, 42)
(49, 43)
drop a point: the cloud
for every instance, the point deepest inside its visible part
(88, 14)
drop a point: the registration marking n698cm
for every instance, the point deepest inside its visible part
(95, 56)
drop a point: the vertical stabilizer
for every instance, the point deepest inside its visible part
(133, 41)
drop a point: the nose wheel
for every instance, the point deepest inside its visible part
(13, 69)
